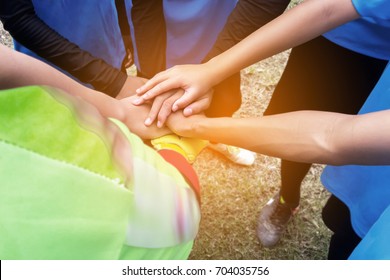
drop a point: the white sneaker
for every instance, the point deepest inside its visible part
(235, 154)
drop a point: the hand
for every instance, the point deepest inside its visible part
(162, 106)
(130, 86)
(184, 126)
(128, 61)
(195, 80)
(134, 119)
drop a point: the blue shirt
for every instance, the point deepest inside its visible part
(92, 25)
(364, 189)
(368, 35)
(375, 245)
(192, 28)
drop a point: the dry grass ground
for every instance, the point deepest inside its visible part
(232, 195)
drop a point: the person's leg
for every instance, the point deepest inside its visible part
(323, 76)
(292, 174)
(227, 100)
(337, 218)
(149, 37)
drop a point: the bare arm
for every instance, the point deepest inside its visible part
(304, 136)
(298, 25)
(17, 69)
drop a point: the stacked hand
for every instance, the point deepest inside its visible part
(134, 117)
(186, 87)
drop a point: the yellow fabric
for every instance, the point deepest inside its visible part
(190, 148)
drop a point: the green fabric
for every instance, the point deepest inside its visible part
(179, 252)
(31, 118)
(54, 210)
(60, 197)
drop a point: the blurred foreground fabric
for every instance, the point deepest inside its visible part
(75, 185)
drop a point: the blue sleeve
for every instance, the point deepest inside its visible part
(20, 19)
(373, 8)
(375, 245)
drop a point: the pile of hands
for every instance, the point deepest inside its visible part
(164, 104)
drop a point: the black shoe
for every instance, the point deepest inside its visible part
(273, 221)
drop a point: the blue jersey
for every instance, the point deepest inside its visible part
(369, 35)
(92, 25)
(192, 27)
(364, 189)
(375, 244)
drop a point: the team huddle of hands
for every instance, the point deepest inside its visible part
(166, 103)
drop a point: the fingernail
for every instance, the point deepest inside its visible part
(187, 111)
(175, 108)
(137, 101)
(148, 121)
(159, 124)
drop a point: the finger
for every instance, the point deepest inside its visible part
(165, 110)
(158, 78)
(184, 101)
(138, 101)
(157, 103)
(161, 88)
(197, 107)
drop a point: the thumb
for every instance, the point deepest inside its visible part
(185, 100)
(197, 107)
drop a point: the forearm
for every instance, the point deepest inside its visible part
(18, 70)
(247, 17)
(296, 26)
(306, 136)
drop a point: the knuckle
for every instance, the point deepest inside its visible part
(166, 106)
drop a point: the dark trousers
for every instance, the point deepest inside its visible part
(323, 76)
(150, 40)
(337, 218)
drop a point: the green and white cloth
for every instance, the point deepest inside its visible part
(74, 185)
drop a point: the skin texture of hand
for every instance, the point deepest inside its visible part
(134, 117)
(184, 126)
(162, 106)
(195, 80)
(130, 86)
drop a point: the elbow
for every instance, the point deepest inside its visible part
(339, 145)
(331, 144)
(336, 13)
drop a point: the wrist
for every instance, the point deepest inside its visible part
(199, 128)
(119, 111)
(216, 71)
(108, 106)
(212, 129)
